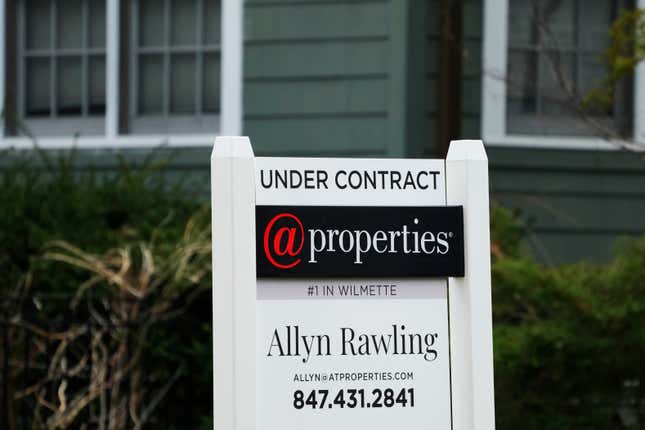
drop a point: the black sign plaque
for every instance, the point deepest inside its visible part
(359, 241)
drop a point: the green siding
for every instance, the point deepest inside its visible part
(290, 21)
(361, 59)
(325, 77)
(576, 207)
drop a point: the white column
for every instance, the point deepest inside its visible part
(231, 73)
(234, 283)
(112, 70)
(639, 96)
(493, 118)
(471, 345)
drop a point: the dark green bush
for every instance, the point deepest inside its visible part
(48, 198)
(570, 342)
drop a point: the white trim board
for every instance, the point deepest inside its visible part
(560, 142)
(493, 104)
(3, 65)
(105, 142)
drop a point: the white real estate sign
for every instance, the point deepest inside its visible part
(351, 293)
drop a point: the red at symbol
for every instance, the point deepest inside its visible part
(287, 240)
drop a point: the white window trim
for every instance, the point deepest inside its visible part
(230, 97)
(493, 118)
(3, 55)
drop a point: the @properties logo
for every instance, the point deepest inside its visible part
(284, 237)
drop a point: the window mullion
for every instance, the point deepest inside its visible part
(539, 81)
(577, 73)
(167, 79)
(53, 94)
(21, 60)
(84, 58)
(199, 57)
(134, 59)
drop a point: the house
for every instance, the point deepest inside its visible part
(372, 78)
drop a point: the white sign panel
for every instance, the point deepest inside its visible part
(342, 353)
(345, 363)
(351, 293)
(349, 182)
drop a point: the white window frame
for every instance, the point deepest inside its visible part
(493, 118)
(230, 117)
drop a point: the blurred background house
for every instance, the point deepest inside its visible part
(373, 78)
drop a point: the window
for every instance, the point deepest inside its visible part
(175, 63)
(60, 66)
(119, 72)
(541, 59)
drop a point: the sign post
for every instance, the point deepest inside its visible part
(351, 292)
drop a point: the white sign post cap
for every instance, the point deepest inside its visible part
(466, 150)
(232, 147)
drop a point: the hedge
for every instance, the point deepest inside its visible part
(569, 341)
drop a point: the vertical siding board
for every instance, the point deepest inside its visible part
(398, 60)
(432, 22)
(472, 69)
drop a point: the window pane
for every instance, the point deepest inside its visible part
(592, 72)
(69, 86)
(37, 87)
(97, 86)
(150, 84)
(38, 24)
(183, 83)
(544, 90)
(596, 17)
(70, 23)
(183, 22)
(151, 17)
(559, 23)
(521, 85)
(211, 24)
(97, 23)
(522, 29)
(558, 84)
(211, 93)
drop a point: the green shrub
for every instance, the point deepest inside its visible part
(570, 342)
(46, 199)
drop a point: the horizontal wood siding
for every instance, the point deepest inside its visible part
(576, 203)
(316, 77)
